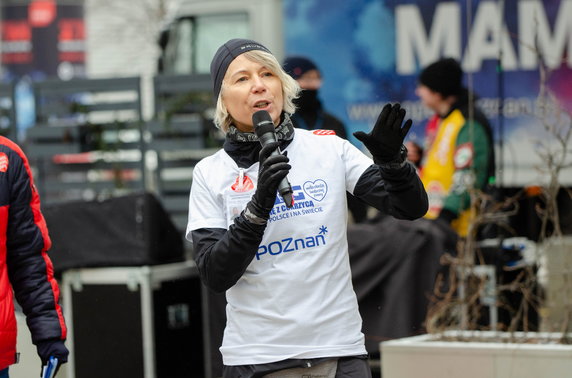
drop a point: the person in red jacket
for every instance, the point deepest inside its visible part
(26, 270)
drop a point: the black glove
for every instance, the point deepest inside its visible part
(385, 140)
(272, 170)
(52, 348)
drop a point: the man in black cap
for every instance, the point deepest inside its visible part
(459, 153)
(310, 113)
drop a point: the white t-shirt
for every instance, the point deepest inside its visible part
(295, 299)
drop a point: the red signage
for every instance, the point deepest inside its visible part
(16, 42)
(43, 39)
(41, 13)
(71, 40)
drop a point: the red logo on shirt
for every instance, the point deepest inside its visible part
(3, 162)
(245, 186)
(324, 132)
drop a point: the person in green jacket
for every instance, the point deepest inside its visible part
(458, 151)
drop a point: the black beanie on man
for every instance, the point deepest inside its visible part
(297, 66)
(225, 55)
(445, 76)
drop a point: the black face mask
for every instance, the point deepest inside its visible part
(308, 101)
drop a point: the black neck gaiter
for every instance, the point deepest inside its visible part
(244, 148)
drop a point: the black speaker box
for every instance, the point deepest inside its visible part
(135, 322)
(123, 231)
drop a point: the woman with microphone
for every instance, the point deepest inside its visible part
(282, 258)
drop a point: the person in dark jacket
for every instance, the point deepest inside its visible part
(25, 267)
(311, 115)
(284, 266)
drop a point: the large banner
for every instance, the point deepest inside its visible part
(40, 39)
(371, 51)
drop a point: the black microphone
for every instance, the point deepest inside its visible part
(264, 129)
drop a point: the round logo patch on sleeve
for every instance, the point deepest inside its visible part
(3, 162)
(463, 156)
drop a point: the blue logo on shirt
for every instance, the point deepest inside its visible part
(316, 190)
(292, 245)
(298, 195)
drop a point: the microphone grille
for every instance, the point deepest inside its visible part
(262, 122)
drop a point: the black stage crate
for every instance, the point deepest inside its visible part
(134, 322)
(129, 230)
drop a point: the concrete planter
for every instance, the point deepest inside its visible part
(555, 276)
(427, 356)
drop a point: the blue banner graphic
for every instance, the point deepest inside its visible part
(371, 51)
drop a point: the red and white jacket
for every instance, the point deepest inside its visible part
(25, 268)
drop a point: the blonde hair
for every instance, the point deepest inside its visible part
(290, 88)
